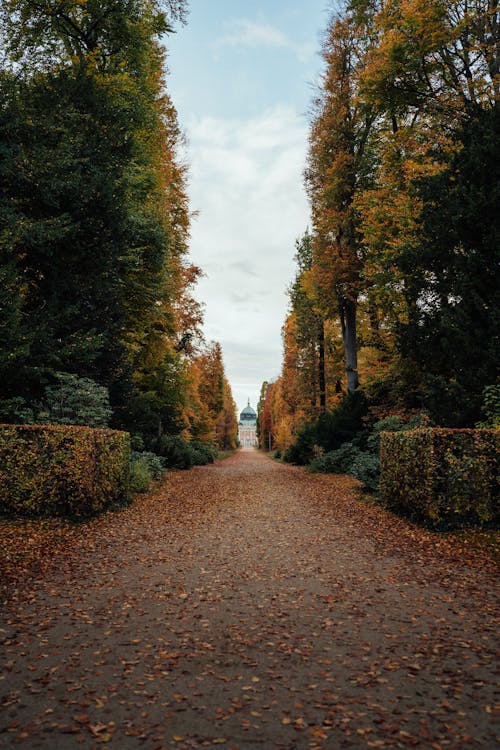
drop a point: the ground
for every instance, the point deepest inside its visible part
(246, 604)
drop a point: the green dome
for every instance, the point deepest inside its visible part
(248, 414)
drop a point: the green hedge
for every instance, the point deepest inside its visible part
(441, 476)
(61, 470)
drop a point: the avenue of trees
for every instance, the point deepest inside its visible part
(394, 309)
(97, 287)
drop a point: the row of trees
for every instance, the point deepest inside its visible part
(397, 282)
(94, 221)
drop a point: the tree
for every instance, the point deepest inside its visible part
(433, 78)
(337, 167)
(227, 422)
(94, 210)
(453, 338)
(310, 333)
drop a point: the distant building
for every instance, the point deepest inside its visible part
(247, 427)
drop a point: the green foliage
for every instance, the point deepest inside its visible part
(93, 210)
(451, 341)
(302, 450)
(61, 470)
(393, 423)
(336, 462)
(174, 451)
(202, 454)
(343, 423)
(144, 467)
(349, 459)
(75, 400)
(366, 468)
(364, 464)
(330, 431)
(491, 407)
(140, 476)
(154, 463)
(442, 477)
(182, 454)
(16, 410)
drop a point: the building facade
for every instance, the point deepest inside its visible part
(247, 427)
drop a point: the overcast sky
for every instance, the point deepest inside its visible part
(241, 77)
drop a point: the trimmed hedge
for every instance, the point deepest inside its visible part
(61, 470)
(440, 476)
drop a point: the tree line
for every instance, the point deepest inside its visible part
(97, 286)
(395, 301)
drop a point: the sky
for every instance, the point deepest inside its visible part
(242, 77)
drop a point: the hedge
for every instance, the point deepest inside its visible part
(440, 476)
(61, 470)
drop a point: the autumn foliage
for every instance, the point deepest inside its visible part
(97, 280)
(395, 293)
(440, 476)
(59, 470)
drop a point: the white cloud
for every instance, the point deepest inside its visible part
(243, 32)
(247, 33)
(246, 182)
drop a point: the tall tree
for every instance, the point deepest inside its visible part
(94, 209)
(433, 77)
(337, 166)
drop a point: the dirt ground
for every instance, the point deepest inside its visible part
(249, 605)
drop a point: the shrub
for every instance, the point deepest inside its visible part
(366, 468)
(202, 453)
(330, 431)
(393, 423)
(349, 459)
(140, 475)
(153, 462)
(441, 476)
(75, 400)
(16, 410)
(336, 462)
(137, 443)
(491, 407)
(61, 470)
(181, 454)
(343, 423)
(174, 451)
(302, 450)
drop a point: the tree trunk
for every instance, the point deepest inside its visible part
(348, 322)
(321, 367)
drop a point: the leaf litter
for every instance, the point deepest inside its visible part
(245, 604)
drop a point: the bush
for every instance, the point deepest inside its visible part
(349, 459)
(140, 475)
(331, 430)
(302, 450)
(336, 462)
(180, 454)
(342, 424)
(174, 451)
(491, 407)
(153, 462)
(366, 468)
(75, 400)
(393, 423)
(69, 400)
(61, 470)
(442, 477)
(202, 454)
(364, 465)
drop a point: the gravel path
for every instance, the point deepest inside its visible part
(251, 605)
